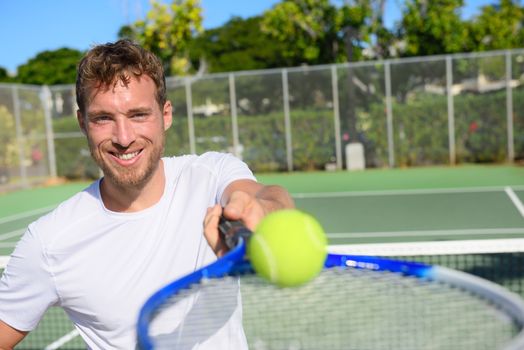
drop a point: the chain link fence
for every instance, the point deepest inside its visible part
(436, 110)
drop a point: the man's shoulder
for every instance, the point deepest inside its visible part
(195, 158)
(74, 209)
(209, 160)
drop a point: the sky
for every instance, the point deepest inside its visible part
(28, 27)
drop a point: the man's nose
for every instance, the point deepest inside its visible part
(123, 133)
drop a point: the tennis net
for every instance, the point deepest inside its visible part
(498, 260)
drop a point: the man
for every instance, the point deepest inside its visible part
(101, 253)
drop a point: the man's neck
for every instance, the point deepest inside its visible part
(133, 198)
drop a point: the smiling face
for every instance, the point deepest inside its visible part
(125, 128)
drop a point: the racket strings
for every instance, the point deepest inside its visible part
(340, 309)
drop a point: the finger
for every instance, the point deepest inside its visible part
(253, 215)
(245, 207)
(211, 230)
(237, 205)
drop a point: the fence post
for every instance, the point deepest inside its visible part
(509, 108)
(19, 136)
(336, 116)
(389, 114)
(234, 117)
(451, 111)
(45, 97)
(287, 120)
(190, 121)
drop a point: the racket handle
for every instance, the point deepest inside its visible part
(231, 231)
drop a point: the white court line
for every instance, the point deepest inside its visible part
(402, 192)
(26, 214)
(8, 245)
(59, 342)
(11, 234)
(3, 261)
(515, 199)
(513, 245)
(464, 232)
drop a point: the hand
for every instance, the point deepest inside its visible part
(247, 201)
(211, 230)
(245, 207)
(241, 206)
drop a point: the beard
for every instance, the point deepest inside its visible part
(125, 177)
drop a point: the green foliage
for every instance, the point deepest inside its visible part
(421, 130)
(305, 27)
(73, 159)
(237, 45)
(263, 139)
(316, 31)
(4, 76)
(8, 151)
(167, 31)
(50, 68)
(433, 27)
(323, 31)
(296, 32)
(481, 127)
(499, 26)
(420, 134)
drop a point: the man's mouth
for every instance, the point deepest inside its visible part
(126, 156)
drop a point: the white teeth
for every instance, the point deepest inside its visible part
(127, 156)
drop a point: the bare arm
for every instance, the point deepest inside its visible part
(9, 336)
(244, 200)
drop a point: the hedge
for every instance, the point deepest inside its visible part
(420, 129)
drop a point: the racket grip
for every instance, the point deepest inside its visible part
(232, 230)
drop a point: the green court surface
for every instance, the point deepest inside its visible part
(443, 204)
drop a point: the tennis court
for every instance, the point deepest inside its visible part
(471, 218)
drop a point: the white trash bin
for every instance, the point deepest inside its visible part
(355, 159)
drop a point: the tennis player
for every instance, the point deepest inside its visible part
(149, 220)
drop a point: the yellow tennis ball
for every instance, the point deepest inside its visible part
(288, 248)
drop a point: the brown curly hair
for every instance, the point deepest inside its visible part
(105, 65)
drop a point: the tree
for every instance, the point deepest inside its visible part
(320, 31)
(317, 31)
(433, 27)
(8, 151)
(167, 31)
(239, 44)
(50, 68)
(499, 26)
(4, 75)
(307, 29)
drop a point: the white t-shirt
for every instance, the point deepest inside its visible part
(100, 266)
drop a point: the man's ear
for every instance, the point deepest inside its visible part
(81, 121)
(167, 115)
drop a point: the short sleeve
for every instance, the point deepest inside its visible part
(231, 169)
(26, 287)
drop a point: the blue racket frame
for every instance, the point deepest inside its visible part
(235, 263)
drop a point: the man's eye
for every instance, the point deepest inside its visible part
(101, 119)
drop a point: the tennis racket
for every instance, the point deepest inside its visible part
(357, 302)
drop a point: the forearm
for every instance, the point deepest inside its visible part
(9, 336)
(274, 198)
